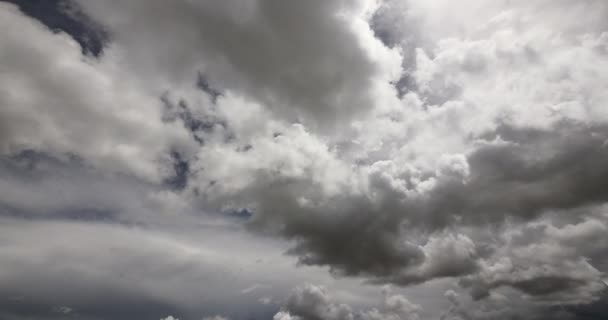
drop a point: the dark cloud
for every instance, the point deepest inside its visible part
(546, 263)
(527, 172)
(518, 177)
(521, 175)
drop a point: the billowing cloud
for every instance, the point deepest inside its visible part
(456, 150)
(549, 263)
(310, 302)
(314, 61)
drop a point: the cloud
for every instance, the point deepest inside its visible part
(394, 307)
(145, 270)
(516, 166)
(57, 101)
(445, 256)
(427, 144)
(352, 205)
(316, 62)
(549, 263)
(527, 172)
(310, 302)
(134, 271)
(36, 184)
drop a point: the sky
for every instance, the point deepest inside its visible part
(304, 160)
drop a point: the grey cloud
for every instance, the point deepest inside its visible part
(445, 256)
(500, 307)
(486, 176)
(310, 302)
(529, 172)
(540, 270)
(371, 233)
(313, 303)
(357, 230)
(348, 234)
(57, 101)
(303, 59)
(550, 264)
(38, 185)
(355, 235)
(394, 307)
(106, 271)
(112, 271)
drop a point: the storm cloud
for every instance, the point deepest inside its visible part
(288, 159)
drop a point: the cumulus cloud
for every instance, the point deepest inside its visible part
(417, 143)
(523, 172)
(548, 263)
(313, 302)
(316, 62)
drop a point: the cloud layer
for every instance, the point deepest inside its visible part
(453, 148)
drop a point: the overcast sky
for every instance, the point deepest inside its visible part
(303, 159)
